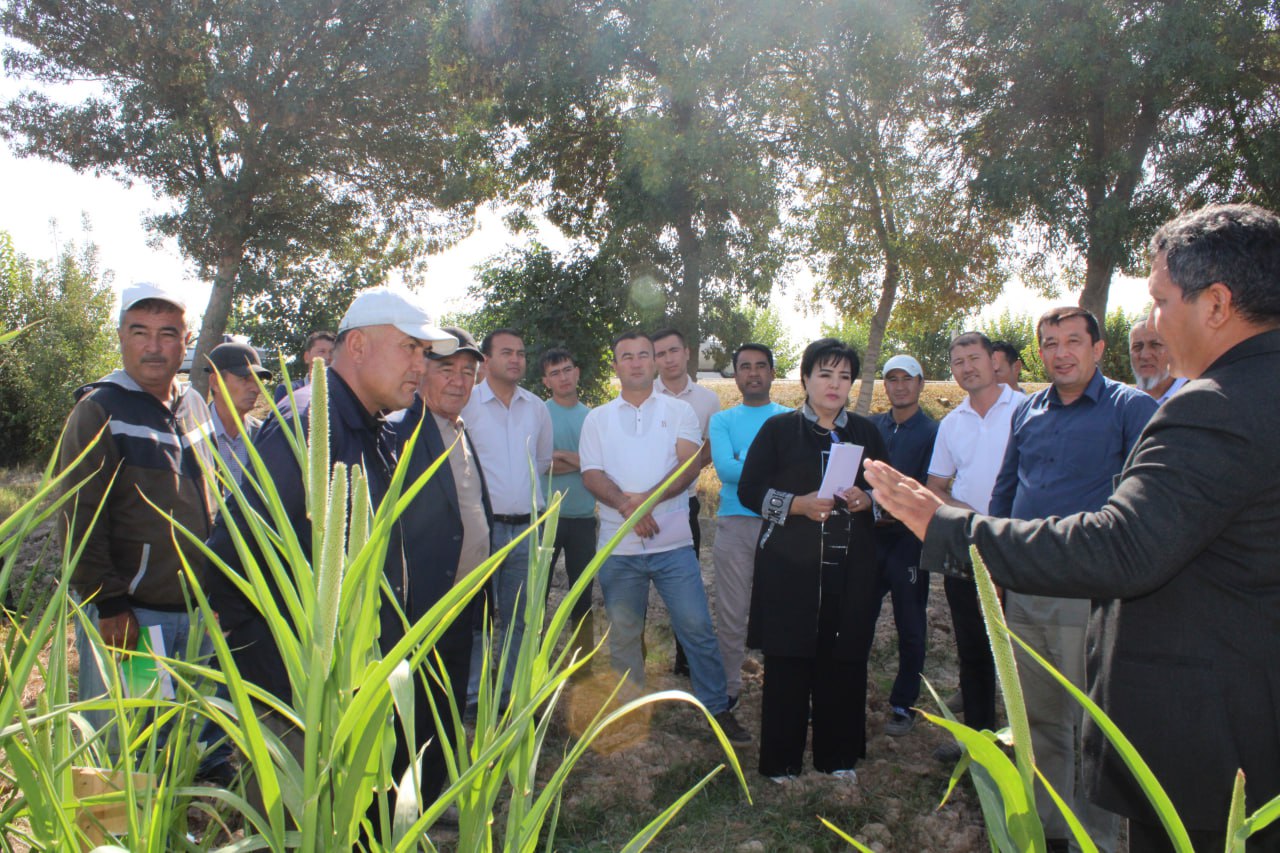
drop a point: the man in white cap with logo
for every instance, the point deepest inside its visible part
(156, 435)
(377, 364)
(908, 434)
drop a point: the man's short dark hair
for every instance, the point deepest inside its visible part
(554, 356)
(486, 345)
(629, 335)
(1057, 316)
(315, 337)
(761, 348)
(666, 333)
(1010, 352)
(968, 339)
(1236, 244)
(825, 352)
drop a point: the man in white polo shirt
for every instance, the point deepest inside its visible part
(512, 434)
(671, 357)
(628, 448)
(967, 456)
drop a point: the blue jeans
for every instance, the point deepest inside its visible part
(507, 585)
(624, 580)
(176, 627)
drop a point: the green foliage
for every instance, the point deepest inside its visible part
(280, 129)
(1071, 118)
(1115, 358)
(1019, 330)
(747, 322)
(578, 302)
(68, 306)
(929, 346)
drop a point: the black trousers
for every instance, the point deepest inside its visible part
(834, 692)
(576, 538)
(977, 667)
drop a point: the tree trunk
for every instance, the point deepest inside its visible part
(689, 293)
(875, 337)
(217, 311)
(1099, 265)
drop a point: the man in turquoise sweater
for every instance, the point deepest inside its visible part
(576, 529)
(737, 528)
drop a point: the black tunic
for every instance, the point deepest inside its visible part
(792, 587)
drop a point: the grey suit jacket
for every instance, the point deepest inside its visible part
(1183, 566)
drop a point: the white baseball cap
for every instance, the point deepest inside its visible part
(383, 306)
(903, 362)
(143, 290)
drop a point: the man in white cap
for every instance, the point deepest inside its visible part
(377, 364)
(155, 436)
(908, 433)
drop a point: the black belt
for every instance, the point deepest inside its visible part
(512, 519)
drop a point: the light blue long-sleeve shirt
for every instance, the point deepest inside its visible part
(731, 433)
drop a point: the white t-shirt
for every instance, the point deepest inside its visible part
(635, 447)
(970, 447)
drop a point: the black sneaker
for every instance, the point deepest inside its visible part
(901, 723)
(732, 729)
(219, 774)
(948, 753)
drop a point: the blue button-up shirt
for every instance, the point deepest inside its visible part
(1061, 459)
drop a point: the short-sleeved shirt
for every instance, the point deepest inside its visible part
(635, 447)
(566, 429)
(970, 447)
(513, 443)
(705, 403)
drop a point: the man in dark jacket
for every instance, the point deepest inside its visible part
(446, 526)
(376, 369)
(1181, 560)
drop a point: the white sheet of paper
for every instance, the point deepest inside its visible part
(842, 469)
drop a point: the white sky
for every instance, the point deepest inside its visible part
(36, 194)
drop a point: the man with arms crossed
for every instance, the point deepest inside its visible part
(1149, 358)
(629, 447)
(1180, 562)
(908, 434)
(967, 455)
(576, 528)
(513, 437)
(738, 528)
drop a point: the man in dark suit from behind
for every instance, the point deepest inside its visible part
(1181, 561)
(448, 523)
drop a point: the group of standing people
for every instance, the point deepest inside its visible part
(802, 564)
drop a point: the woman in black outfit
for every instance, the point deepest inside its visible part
(815, 574)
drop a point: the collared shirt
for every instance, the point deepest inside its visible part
(234, 451)
(910, 443)
(705, 403)
(970, 447)
(1061, 459)
(1173, 389)
(566, 424)
(731, 434)
(466, 479)
(635, 447)
(514, 444)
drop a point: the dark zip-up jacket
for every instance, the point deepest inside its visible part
(355, 438)
(151, 449)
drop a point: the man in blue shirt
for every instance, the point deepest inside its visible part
(737, 528)
(1067, 443)
(576, 528)
(908, 434)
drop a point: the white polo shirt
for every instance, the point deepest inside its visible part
(705, 403)
(635, 447)
(507, 442)
(970, 447)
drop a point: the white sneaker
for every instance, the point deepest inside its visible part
(781, 780)
(849, 776)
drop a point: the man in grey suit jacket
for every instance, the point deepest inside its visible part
(1184, 639)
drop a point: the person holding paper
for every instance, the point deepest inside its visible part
(815, 570)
